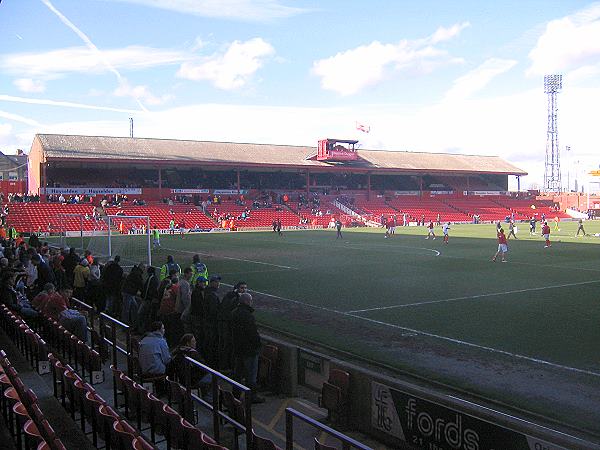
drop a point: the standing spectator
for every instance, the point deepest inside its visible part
(212, 305)
(195, 317)
(81, 275)
(112, 278)
(228, 304)
(93, 288)
(60, 277)
(149, 297)
(132, 286)
(154, 353)
(184, 298)
(44, 273)
(246, 344)
(70, 262)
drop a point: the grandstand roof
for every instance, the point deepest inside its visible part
(57, 147)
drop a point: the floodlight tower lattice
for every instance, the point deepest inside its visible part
(552, 181)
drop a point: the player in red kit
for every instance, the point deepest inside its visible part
(502, 245)
(546, 234)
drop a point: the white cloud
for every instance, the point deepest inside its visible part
(29, 85)
(140, 92)
(567, 44)
(39, 101)
(478, 78)
(83, 60)
(444, 34)
(245, 10)
(231, 69)
(18, 118)
(353, 70)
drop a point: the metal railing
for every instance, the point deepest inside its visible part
(291, 413)
(217, 414)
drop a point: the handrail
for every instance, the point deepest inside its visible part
(214, 407)
(113, 323)
(290, 413)
(91, 314)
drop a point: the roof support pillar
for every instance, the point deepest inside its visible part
(468, 185)
(307, 181)
(420, 186)
(44, 180)
(368, 187)
(160, 183)
(238, 181)
(518, 183)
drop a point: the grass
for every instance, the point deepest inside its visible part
(541, 304)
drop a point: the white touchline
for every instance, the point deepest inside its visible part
(229, 257)
(471, 297)
(437, 336)
(482, 347)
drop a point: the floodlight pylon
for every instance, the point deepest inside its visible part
(552, 179)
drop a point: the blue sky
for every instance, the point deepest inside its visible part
(431, 76)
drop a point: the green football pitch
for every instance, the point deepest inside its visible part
(544, 303)
(369, 296)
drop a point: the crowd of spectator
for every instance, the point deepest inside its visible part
(175, 308)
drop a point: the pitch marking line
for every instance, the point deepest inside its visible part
(230, 257)
(471, 297)
(437, 336)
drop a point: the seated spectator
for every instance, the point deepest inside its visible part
(154, 353)
(40, 300)
(55, 303)
(187, 347)
(72, 319)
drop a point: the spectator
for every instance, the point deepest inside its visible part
(184, 298)
(149, 297)
(44, 273)
(187, 347)
(60, 277)
(228, 304)
(111, 279)
(133, 285)
(70, 262)
(154, 353)
(246, 344)
(81, 275)
(211, 321)
(54, 303)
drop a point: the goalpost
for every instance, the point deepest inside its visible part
(129, 237)
(106, 236)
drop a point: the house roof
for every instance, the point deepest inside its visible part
(109, 148)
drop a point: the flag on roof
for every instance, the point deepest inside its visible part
(362, 127)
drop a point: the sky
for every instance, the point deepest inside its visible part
(462, 76)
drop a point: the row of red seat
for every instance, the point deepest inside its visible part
(20, 407)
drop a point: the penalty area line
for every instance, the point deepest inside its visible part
(472, 297)
(230, 257)
(440, 337)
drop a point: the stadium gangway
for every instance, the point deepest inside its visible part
(107, 321)
(217, 414)
(291, 413)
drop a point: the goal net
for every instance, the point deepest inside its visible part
(105, 236)
(125, 236)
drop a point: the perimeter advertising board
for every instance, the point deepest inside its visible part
(432, 426)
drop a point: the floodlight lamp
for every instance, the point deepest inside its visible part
(552, 83)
